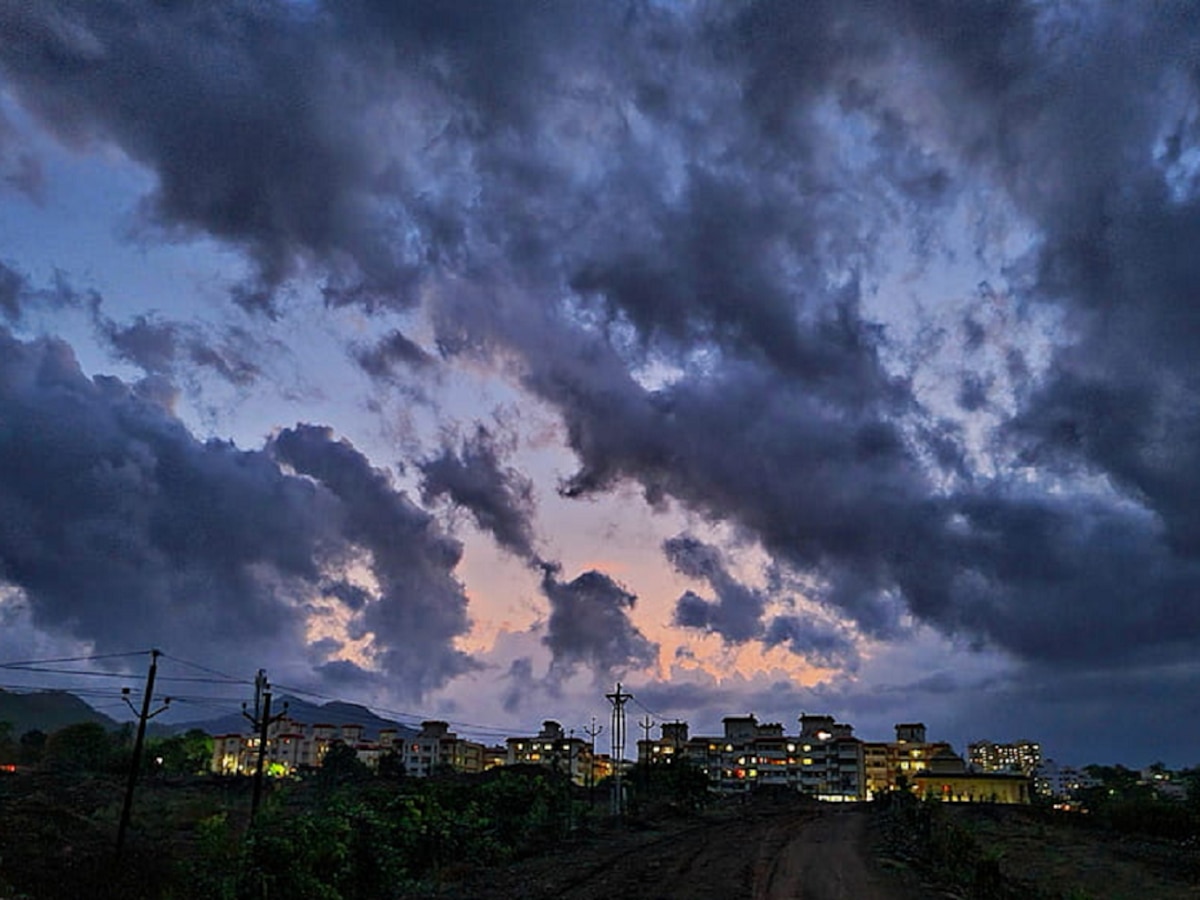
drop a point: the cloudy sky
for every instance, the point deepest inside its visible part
(464, 357)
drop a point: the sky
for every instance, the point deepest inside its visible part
(462, 358)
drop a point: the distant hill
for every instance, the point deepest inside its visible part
(47, 711)
(334, 713)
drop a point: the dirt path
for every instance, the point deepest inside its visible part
(825, 858)
(763, 852)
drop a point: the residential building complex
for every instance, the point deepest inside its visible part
(1061, 782)
(555, 749)
(436, 748)
(821, 759)
(292, 745)
(1022, 756)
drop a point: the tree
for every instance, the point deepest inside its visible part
(83, 747)
(391, 766)
(8, 747)
(182, 754)
(31, 747)
(341, 766)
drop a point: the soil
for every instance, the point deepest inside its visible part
(763, 850)
(775, 848)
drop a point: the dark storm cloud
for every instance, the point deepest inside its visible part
(821, 643)
(20, 168)
(589, 624)
(353, 597)
(500, 499)
(19, 296)
(591, 194)
(737, 612)
(420, 604)
(238, 109)
(380, 359)
(122, 529)
(169, 348)
(13, 288)
(520, 676)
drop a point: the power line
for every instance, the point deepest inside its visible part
(648, 710)
(66, 659)
(54, 671)
(209, 670)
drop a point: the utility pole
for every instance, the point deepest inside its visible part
(646, 724)
(618, 699)
(135, 766)
(262, 720)
(591, 733)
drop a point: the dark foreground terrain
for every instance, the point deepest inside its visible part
(349, 842)
(776, 849)
(762, 850)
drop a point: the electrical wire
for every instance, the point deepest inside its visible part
(66, 659)
(406, 718)
(54, 671)
(209, 670)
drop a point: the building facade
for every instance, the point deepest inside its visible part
(1022, 756)
(823, 760)
(437, 749)
(554, 749)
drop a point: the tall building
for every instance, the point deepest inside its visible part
(891, 765)
(555, 749)
(1022, 756)
(293, 746)
(436, 748)
(824, 760)
(832, 760)
(1061, 783)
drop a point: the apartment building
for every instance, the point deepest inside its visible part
(892, 765)
(437, 749)
(1022, 756)
(824, 760)
(555, 749)
(292, 746)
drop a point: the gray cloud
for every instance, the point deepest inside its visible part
(707, 192)
(170, 348)
(20, 168)
(820, 642)
(589, 623)
(122, 529)
(500, 499)
(420, 603)
(380, 359)
(737, 612)
(520, 674)
(19, 296)
(13, 287)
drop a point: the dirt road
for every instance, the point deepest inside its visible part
(763, 852)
